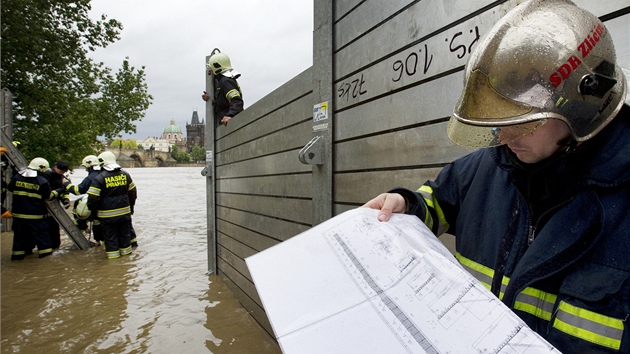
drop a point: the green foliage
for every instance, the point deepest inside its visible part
(63, 100)
(179, 156)
(198, 153)
(126, 144)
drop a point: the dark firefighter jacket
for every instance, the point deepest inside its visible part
(84, 186)
(29, 196)
(55, 181)
(552, 240)
(113, 195)
(228, 98)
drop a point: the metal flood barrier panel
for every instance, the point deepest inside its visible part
(369, 115)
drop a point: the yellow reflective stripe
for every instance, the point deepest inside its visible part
(27, 194)
(427, 194)
(113, 254)
(482, 273)
(132, 186)
(44, 251)
(428, 220)
(231, 94)
(94, 191)
(589, 326)
(536, 302)
(125, 251)
(73, 189)
(114, 212)
(26, 216)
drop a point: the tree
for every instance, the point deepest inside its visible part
(63, 100)
(179, 156)
(126, 144)
(198, 153)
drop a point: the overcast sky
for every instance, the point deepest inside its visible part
(269, 42)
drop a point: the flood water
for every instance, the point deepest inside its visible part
(157, 300)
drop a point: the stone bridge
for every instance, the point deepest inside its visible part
(142, 158)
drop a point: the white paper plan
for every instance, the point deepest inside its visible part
(356, 285)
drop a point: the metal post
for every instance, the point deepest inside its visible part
(208, 171)
(323, 99)
(6, 123)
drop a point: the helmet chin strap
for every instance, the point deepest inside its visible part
(569, 144)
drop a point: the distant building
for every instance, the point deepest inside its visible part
(173, 133)
(195, 133)
(155, 143)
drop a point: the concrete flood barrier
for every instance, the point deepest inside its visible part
(369, 115)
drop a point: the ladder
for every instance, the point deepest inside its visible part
(17, 159)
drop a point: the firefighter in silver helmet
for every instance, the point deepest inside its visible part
(228, 97)
(540, 212)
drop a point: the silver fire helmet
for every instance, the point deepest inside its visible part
(545, 59)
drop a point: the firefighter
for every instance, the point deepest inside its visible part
(228, 97)
(540, 213)
(93, 168)
(55, 177)
(30, 191)
(113, 195)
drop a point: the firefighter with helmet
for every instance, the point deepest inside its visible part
(30, 191)
(110, 156)
(228, 97)
(540, 212)
(93, 168)
(112, 195)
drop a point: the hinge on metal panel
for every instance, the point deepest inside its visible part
(207, 171)
(313, 152)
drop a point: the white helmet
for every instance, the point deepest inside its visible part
(89, 161)
(219, 63)
(106, 158)
(546, 59)
(82, 210)
(39, 164)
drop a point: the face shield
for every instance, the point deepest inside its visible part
(485, 118)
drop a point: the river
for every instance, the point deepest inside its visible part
(157, 300)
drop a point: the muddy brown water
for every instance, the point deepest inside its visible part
(159, 299)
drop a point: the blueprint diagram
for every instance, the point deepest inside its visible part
(356, 285)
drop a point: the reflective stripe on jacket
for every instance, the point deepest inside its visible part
(29, 196)
(554, 243)
(112, 194)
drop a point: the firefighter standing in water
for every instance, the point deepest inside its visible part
(55, 177)
(228, 98)
(113, 195)
(93, 168)
(30, 191)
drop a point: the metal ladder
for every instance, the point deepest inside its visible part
(17, 159)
